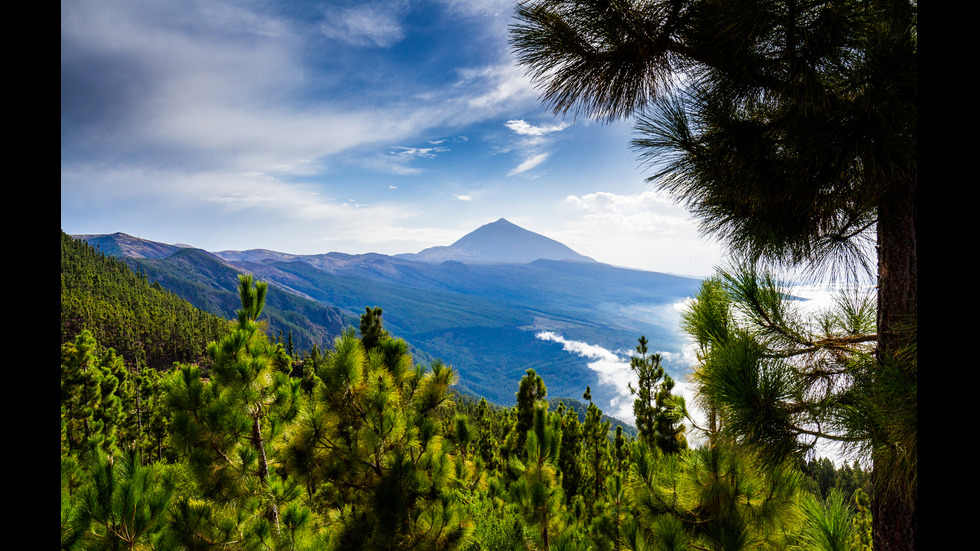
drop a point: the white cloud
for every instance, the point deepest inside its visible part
(532, 143)
(493, 87)
(525, 129)
(482, 8)
(418, 152)
(611, 368)
(614, 369)
(463, 197)
(290, 217)
(643, 230)
(529, 163)
(365, 25)
(646, 211)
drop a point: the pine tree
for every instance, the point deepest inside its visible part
(369, 449)
(648, 373)
(90, 401)
(715, 497)
(611, 520)
(537, 490)
(621, 449)
(530, 392)
(568, 456)
(792, 136)
(123, 507)
(658, 416)
(595, 456)
(372, 327)
(670, 429)
(780, 380)
(862, 522)
(487, 444)
(312, 361)
(227, 426)
(146, 414)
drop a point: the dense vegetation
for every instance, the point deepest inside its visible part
(206, 282)
(358, 447)
(141, 321)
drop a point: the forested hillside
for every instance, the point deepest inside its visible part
(360, 447)
(208, 283)
(123, 311)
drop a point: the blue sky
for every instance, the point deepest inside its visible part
(311, 127)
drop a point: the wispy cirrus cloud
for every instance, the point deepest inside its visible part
(529, 163)
(494, 86)
(399, 159)
(365, 25)
(531, 143)
(243, 86)
(417, 152)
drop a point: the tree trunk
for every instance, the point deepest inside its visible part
(139, 412)
(894, 506)
(264, 467)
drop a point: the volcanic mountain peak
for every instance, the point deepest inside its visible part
(500, 242)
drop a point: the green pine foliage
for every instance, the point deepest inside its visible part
(535, 488)
(229, 424)
(368, 449)
(829, 524)
(90, 405)
(125, 312)
(658, 413)
(862, 521)
(359, 447)
(124, 506)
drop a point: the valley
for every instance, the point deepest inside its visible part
(479, 305)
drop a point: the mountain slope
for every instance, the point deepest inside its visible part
(123, 311)
(121, 245)
(211, 284)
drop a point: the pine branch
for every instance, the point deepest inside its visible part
(831, 343)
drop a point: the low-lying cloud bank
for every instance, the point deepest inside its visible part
(613, 369)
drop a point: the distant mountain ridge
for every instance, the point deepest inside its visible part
(481, 316)
(500, 242)
(122, 245)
